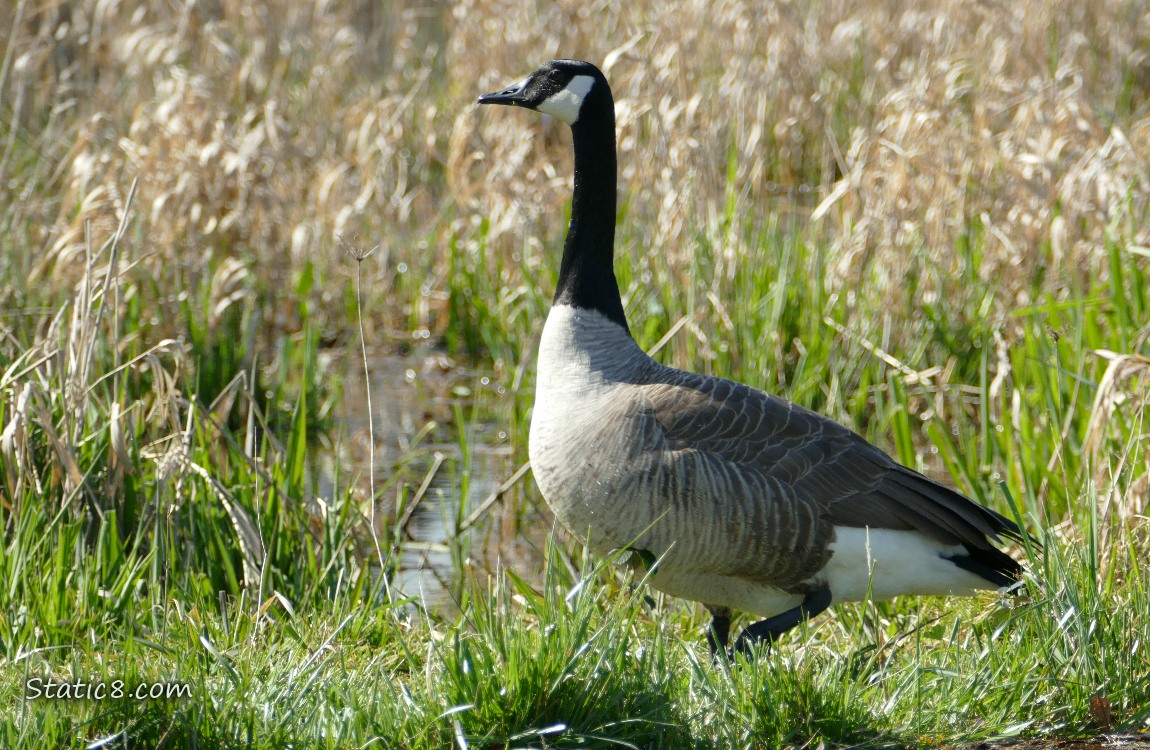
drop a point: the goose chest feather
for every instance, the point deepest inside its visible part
(749, 502)
(629, 452)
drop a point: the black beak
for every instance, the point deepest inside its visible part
(512, 95)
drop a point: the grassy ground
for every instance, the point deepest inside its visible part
(928, 221)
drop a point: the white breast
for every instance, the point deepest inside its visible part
(585, 361)
(581, 443)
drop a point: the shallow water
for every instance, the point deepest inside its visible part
(438, 433)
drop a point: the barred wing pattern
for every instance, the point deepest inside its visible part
(781, 477)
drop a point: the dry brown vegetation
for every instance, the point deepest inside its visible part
(259, 133)
(913, 121)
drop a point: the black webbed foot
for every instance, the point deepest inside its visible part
(768, 630)
(720, 631)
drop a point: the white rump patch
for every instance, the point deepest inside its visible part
(884, 563)
(565, 104)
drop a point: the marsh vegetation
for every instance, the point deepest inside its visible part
(928, 221)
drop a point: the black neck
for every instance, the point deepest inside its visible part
(587, 274)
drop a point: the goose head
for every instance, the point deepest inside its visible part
(565, 89)
(577, 93)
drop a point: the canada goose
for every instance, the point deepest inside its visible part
(747, 501)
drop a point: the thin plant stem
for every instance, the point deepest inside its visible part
(360, 255)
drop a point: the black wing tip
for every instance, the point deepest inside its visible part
(990, 564)
(983, 521)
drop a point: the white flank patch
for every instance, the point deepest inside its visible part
(888, 563)
(565, 104)
(873, 564)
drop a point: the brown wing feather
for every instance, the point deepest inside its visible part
(828, 468)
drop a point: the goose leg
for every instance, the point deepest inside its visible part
(720, 631)
(770, 629)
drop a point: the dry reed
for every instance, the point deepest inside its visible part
(259, 135)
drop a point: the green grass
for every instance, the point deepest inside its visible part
(207, 564)
(594, 665)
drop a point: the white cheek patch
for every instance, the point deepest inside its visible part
(565, 104)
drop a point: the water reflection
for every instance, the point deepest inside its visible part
(441, 452)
